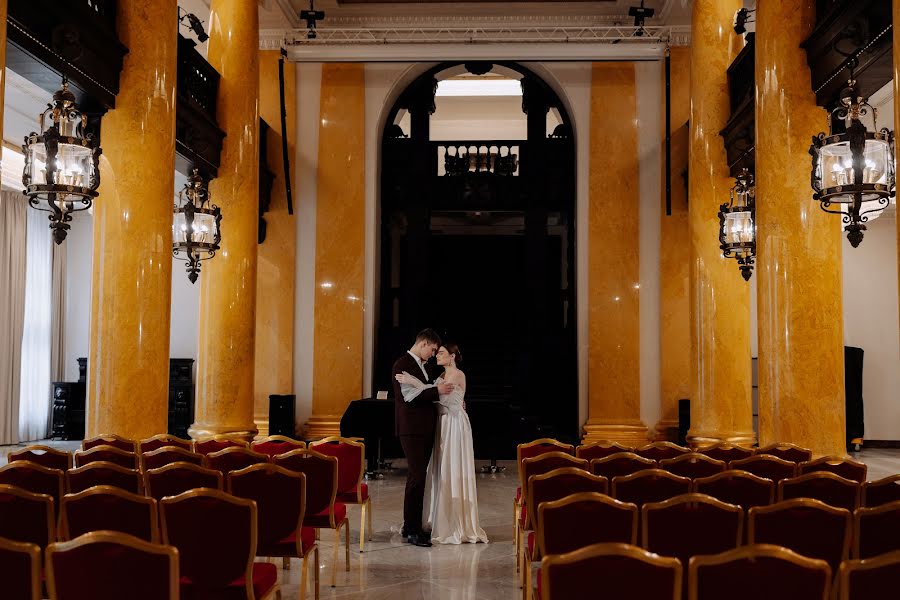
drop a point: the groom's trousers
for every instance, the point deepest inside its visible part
(417, 449)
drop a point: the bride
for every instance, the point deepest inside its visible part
(451, 508)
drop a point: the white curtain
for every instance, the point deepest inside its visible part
(34, 395)
(58, 320)
(12, 310)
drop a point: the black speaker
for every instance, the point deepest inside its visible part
(684, 420)
(853, 389)
(281, 414)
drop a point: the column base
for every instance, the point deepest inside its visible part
(630, 434)
(667, 430)
(322, 426)
(704, 439)
(201, 430)
(262, 427)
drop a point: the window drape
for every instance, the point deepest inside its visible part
(12, 310)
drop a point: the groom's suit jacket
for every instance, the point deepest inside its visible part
(416, 417)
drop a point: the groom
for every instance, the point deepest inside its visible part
(414, 424)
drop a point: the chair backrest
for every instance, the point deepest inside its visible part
(351, 457)
(806, 526)
(786, 451)
(111, 454)
(621, 463)
(757, 571)
(321, 478)
(215, 534)
(26, 517)
(692, 465)
(880, 491)
(600, 450)
(44, 456)
(737, 487)
(726, 452)
(628, 573)
(557, 484)
(234, 458)
(767, 466)
(584, 519)
(116, 441)
(536, 448)
(822, 485)
(162, 440)
(650, 485)
(35, 479)
(661, 450)
(277, 444)
(876, 530)
(544, 463)
(691, 524)
(160, 457)
(104, 473)
(280, 497)
(108, 508)
(218, 442)
(105, 565)
(846, 468)
(179, 477)
(20, 570)
(868, 578)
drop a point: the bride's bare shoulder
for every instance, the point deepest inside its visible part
(457, 377)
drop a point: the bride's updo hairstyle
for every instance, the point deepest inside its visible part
(453, 350)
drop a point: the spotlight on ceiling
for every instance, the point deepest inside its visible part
(741, 18)
(640, 14)
(193, 23)
(311, 16)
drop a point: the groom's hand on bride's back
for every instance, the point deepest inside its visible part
(444, 388)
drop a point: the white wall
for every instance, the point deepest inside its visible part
(79, 258)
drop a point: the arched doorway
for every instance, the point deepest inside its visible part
(477, 240)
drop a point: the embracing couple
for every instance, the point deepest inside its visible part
(436, 438)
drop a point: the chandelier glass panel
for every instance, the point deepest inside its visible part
(737, 224)
(196, 224)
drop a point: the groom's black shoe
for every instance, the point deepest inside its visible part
(419, 539)
(427, 532)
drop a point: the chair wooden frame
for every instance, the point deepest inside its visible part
(181, 465)
(596, 550)
(755, 551)
(166, 440)
(174, 450)
(263, 458)
(726, 446)
(108, 490)
(651, 463)
(848, 567)
(818, 475)
(220, 437)
(34, 556)
(584, 448)
(805, 467)
(79, 455)
(864, 488)
(27, 464)
(618, 481)
(739, 464)
(123, 539)
(102, 464)
(861, 512)
(732, 474)
(692, 456)
(24, 452)
(804, 502)
(773, 449)
(111, 439)
(692, 498)
(655, 445)
(45, 498)
(300, 444)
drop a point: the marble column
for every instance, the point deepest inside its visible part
(128, 379)
(614, 399)
(225, 364)
(801, 354)
(721, 406)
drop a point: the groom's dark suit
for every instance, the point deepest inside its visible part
(414, 424)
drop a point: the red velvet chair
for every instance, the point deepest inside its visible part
(322, 510)
(216, 534)
(104, 473)
(108, 565)
(869, 578)
(619, 571)
(234, 459)
(600, 450)
(35, 479)
(661, 450)
(757, 572)
(277, 444)
(766, 466)
(726, 452)
(831, 489)
(44, 456)
(351, 457)
(218, 442)
(876, 530)
(621, 463)
(737, 487)
(110, 454)
(26, 517)
(692, 465)
(20, 570)
(162, 440)
(179, 477)
(881, 491)
(806, 526)
(108, 508)
(651, 485)
(160, 457)
(280, 497)
(846, 468)
(786, 451)
(116, 441)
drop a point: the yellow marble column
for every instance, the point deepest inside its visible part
(721, 407)
(801, 354)
(896, 7)
(675, 243)
(3, 11)
(340, 247)
(614, 399)
(274, 369)
(225, 364)
(128, 360)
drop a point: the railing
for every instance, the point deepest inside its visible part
(495, 157)
(198, 81)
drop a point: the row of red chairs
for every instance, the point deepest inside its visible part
(662, 450)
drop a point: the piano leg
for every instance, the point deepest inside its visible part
(372, 471)
(493, 467)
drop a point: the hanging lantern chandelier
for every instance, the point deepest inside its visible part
(61, 172)
(737, 224)
(853, 170)
(196, 229)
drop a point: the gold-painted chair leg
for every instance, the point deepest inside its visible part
(316, 572)
(303, 566)
(286, 563)
(337, 548)
(362, 527)
(347, 544)
(516, 531)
